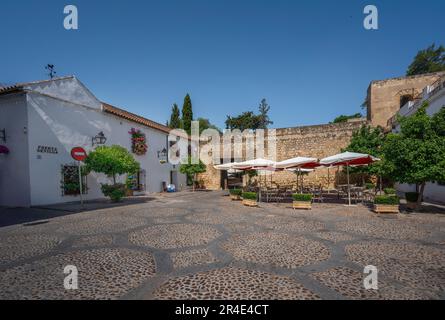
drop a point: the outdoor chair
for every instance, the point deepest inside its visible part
(317, 195)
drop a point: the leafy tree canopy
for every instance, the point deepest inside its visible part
(112, 161)
(368, 140)
(206, 124)
(250, 120)
(416, 155)
(191, 170)
(431, 59)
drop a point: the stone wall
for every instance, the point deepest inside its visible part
(316, 141)
(384, 96)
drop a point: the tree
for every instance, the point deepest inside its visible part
(264, 120)
(416, 155)
(344, 118)
(175, 120)
(246, 120)
(368, 140)
(112, 161)
(249, 120)
(205, 124)
(431, 59)
(187, 114)
(192, 170)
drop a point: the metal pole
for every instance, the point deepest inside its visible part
(80, 186)
(349, 188)
(328, 182)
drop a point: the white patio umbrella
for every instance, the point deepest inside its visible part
(255, 164)
(303, 162)
(348, 159)
(224, 166)
(258, 164)
(299, 175)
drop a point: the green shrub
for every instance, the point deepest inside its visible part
(236, 192)
(114, 191)
(302, 197)
(390, 191)
(389, 200)
(249, 195)
(411, 196)
(369, 186)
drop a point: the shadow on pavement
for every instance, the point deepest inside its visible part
(12, 216)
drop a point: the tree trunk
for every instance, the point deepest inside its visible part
(420, 197)
(114, 179)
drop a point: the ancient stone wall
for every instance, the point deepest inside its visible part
(317, 141)
(384, 96)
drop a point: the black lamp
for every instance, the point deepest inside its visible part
(99, 139)
(162, 154)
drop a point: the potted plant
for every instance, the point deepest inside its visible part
(250, 199)
(129, 187)
(390, 191)
(411, 199)
(302, 201)
(235, 194)
(114, 191)
(386, 204)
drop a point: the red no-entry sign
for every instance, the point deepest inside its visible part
(78, 154)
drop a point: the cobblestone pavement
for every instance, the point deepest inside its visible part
(204, 246)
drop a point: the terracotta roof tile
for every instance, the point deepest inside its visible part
(135, 118)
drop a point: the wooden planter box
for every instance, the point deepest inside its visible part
(386, 208)
(302, 205)
(250, 203)
(235, 197)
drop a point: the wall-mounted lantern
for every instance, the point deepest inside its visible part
(162, 155)
(3, 135)
(99, 139)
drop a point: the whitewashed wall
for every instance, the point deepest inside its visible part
(55, 123)
(14, 168)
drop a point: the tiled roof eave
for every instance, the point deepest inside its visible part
(134, 118)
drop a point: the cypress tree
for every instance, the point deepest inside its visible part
(187, 113)
(175, 121)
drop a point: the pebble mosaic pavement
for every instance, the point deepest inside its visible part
(205, 246)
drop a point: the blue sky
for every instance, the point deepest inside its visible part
(311, 60)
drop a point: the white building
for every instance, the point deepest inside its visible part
(40, 122)
(434, 94)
